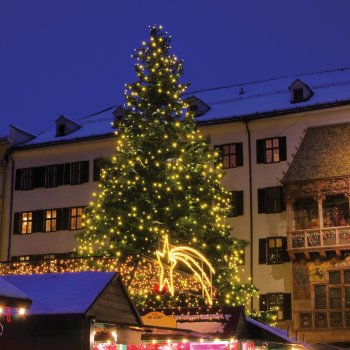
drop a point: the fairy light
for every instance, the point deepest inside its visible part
(163, 179)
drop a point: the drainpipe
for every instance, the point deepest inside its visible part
(11, 205)
(250, 202)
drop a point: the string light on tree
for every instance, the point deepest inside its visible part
(163, 180)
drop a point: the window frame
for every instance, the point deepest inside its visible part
(27, 179)
(78, 218)
(51, 220)
(235, 156)
(26, 220)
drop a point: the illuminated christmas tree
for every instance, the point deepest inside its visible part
(163, 183)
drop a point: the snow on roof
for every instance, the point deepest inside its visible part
(247, 100)
(8, 290)
(243, 100)
(65, 293)
(94, 126)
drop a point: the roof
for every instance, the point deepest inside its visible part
(261, 331)
(323, 153)
(11, 296)
(272, 97)
(251, 100)
(65, 293)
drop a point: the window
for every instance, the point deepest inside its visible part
(271, 200)
(271, 150)
(26, 222)
(236, 203)
(27, 179)
(278, 303)
(24, 258)
(305, 214)
(298, 95)
(51, 176)
(75, 173)
(78, 171)
(50, 220)
(76, 218)
(273, 250)
(61, 130)
(231, 155)
(320, 297)
(335, 211)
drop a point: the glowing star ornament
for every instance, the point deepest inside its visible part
(194, 260)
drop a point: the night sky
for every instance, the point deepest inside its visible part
(72, 57)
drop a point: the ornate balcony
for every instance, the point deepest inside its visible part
(316, 240)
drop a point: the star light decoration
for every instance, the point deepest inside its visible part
(192, 259)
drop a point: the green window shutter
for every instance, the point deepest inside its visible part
(262, 250)
(260, 151)
(18, 182)
(283, 148)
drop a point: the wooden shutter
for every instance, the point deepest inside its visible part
(286, 257)
(97, 169)
(287, 306)
(60, 174)
(18, 182)
(283, 203)
(84, 171)
(65, 218)
(263, 302)
(38, 221)
(283, 148)
(38, 177)
(239, 154)
(262, 250)
(220, 158)
(260, 151)
(239, 203)
(16, 223)
(261, 200)
(66, 179)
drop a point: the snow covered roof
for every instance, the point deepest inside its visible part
(65, 293)
(272, 97)
(12, 296)
(259, 99)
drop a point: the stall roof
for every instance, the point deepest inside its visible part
(79, 293)
(11, 296)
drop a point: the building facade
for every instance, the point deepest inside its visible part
(288, 203)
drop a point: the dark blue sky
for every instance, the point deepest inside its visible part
(72, 57)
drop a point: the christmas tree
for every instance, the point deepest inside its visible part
(164, 183)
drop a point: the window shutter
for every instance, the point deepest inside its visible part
(16, 223)
(66, 179)
(263, 302)
(239, 154)
(38, 221)
(58, 219)
(262, 250)
(60, 174)
(97, 169)
(239, 203)
(283, 148)
(18, 182)
(260, 151)
(286, 257)
(65, 219)
(84, 171)
(287, 306)
(282, 203)
(38, 177)
(261, 200)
